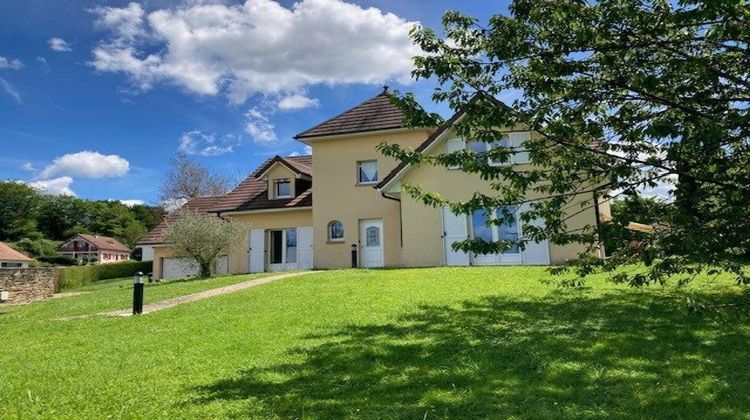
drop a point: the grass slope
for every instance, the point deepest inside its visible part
(445, 342)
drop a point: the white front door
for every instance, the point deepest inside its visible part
(454, 230)
(305, 247)
(371, 243)
(282, 249)
(257, 252)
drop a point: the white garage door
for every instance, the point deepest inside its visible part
(176, 268)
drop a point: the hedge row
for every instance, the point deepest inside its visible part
(70, 277)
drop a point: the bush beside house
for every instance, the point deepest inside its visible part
(70, 277)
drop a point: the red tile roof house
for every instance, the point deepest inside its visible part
(101, 249)
(10, 258)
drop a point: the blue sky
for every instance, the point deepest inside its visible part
(95, 97)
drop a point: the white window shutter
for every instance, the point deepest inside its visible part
(517, 141)
(257, 250)
(536, 253)
(454, 145)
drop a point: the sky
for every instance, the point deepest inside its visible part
(96, 96)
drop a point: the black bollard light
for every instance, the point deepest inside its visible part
(354, 255)
(138, 293)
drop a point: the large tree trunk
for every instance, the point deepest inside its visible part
(205, 270)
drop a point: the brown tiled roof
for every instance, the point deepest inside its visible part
(104, 243)
(377, 113)
(253, 187)
(261, 201)
(250, 194)
(297, 164)
(9, 254)
(200, 205)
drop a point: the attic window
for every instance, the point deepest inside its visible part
(282, 188)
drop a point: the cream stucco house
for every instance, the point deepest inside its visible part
(310, 211)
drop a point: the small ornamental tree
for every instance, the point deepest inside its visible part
(204, 239)
(626, 94)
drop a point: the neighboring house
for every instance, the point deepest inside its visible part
(165, 264)
(310, 211)
(94, 248)
(10, 258)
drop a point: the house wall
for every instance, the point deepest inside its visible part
(422, 225)
(239, 258)
(147, 252)
(159, 253)
(337, 196)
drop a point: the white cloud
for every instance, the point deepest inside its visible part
(293, 102)
(662, 190)
(197, 143)
(131, 203)
(28, 166)
(55, 186)
(13, 64)
(9, 89)
(6, 86)
(259, 127)
(308, 150)
(256, 47)
(59, 45)
(294, 154)
(87, 164)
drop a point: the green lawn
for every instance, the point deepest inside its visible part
(447, 342)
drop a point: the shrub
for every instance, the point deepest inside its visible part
(57, 260)
(70, 277)
(36, 247)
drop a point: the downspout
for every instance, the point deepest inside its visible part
(400, 221)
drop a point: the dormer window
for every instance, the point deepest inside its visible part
(367, 172)
(282, 188)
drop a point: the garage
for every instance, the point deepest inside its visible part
(176, 268)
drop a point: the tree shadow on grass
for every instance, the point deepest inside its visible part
(625, 355)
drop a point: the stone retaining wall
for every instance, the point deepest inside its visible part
(27, 284)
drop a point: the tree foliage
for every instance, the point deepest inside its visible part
(626, 94)
(25, 213)
(204, 239)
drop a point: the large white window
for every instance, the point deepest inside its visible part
(367, 172)
(507, 231)
(335, 231)
(510, 140)
(282, 188)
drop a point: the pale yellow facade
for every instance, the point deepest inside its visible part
(239, 259)
(423, 225)
(338, 196)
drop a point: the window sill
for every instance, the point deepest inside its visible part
(330, 242)
(366, 184)
(282, 197)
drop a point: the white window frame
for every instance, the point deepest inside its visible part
(276, 183)
(359, 172)
(495, 228)
(515, 141)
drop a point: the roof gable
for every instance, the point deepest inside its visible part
(104, 243)
(374, 114)
(299, 165)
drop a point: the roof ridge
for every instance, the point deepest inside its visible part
(385, 92)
